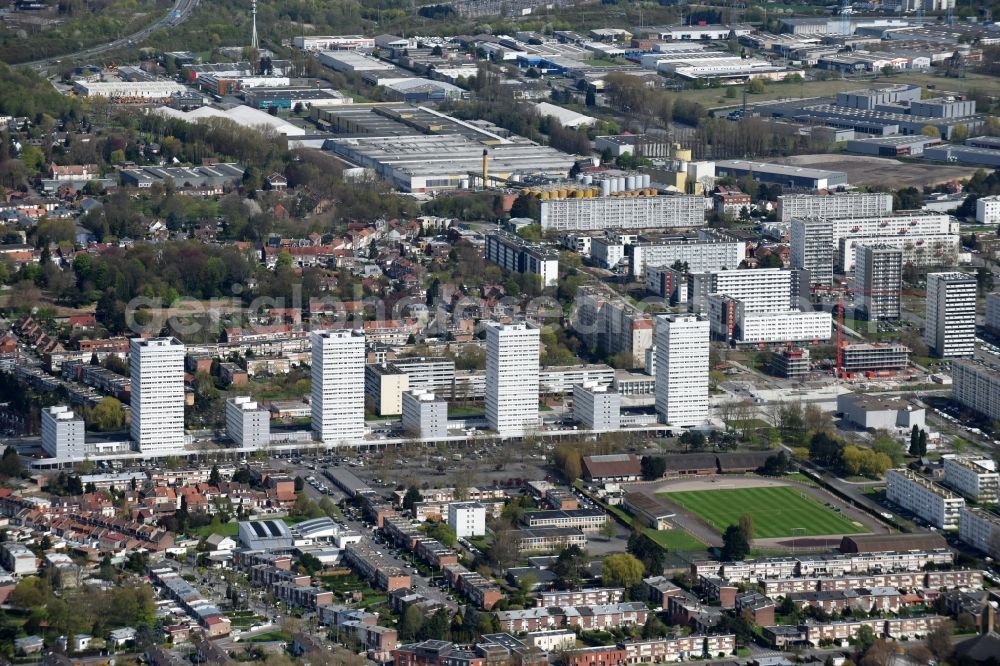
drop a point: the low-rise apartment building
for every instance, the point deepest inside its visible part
(591, 596)
(586, 520)
(976, 479)
(375, 568)
(922, 497)
(980, 529)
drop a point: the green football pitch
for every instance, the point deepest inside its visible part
(777, 511)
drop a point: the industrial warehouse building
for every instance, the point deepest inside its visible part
(126, 90)
(418, 149)
(288, 98)
(216, 175)
(781, 174)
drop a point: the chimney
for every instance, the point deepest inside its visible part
(486, 166)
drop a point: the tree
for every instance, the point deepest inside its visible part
(931, 131)
(826, 449)
(939, 640)
(915, 441)
(653, 467)
(569, 461)
(886, 444)
(299, 484)
(214, 478)
(694, 440)
(908, 198)
(570, 564)
(746, 526)
(30, 594)
(412, 497)
(411, 624)
(776, 465)
(443, 533)
(590, 99)
(621, 570)
(10, 463)
(654, 628)
(608, 529)
(505, 548)
(735, 545)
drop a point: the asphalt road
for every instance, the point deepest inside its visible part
(419, 583)
(180, 13)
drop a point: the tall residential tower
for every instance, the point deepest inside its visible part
(511, 378)
(682, 343)
(157, 369)
(338, 386)
(950, 317)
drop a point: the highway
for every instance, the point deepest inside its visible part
(180, 13)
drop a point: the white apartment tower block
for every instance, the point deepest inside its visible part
(812, 245)
(950, 317)
(511, 377)
(63, 433)
(157, 369)
(468, 519)
(247, 423)
(992, 319)
(338, 386)
(682, 343)
(878, 281)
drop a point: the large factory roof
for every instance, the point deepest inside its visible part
(429, 154)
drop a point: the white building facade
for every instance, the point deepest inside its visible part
(988, 209)
(919, 495)
(597, 407)
(701, 256)
(512, 377)
(976, 479)
(980, 529)
(63, 433)
(848, 204)
(468, 519)
(338, 386)
(950, 316)
(760, 289)
(976, 386)
(992, 318)
(157, 404)
(878, 281)
(656, 212)
(682, 343)
(247, 424)
(424, 414)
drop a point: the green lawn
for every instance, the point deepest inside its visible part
(467, 411)
(675, 540)
(778, 511)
